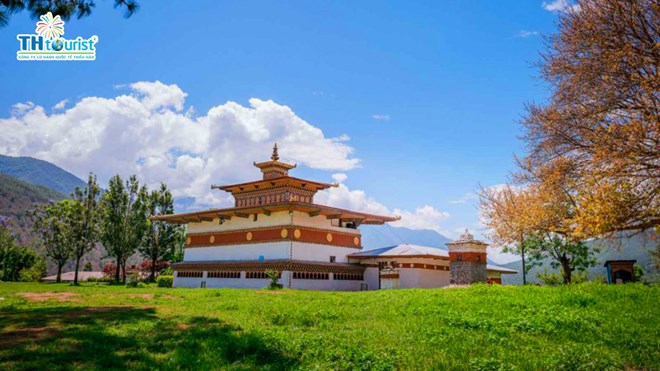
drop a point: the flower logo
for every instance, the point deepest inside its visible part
(50, 27)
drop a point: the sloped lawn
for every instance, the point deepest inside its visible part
(591, 327)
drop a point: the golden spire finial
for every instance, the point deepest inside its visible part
(275, 156)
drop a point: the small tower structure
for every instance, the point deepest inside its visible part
(467, 260)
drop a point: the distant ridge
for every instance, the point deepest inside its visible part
(39, 172)
(375, 237)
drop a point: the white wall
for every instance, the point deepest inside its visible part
(371, 277)
(275, 219)
(319, 221)
(187, 282)
(431, 278)
(422, 278)
(269, 250)
(321, 253)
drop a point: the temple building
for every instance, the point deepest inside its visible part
(275, 225)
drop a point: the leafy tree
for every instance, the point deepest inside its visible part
(510, 220)
(124, 220)
(601, 125)
(84, 220)
(564, 254)
(88, 267)
(36, 272)
(161, 238)
(52, 225)
(14, 258)
(64, 8)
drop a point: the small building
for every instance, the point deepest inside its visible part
(620, 271)
(411, 266)
(68, 276)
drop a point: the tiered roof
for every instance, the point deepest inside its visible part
(277, 191)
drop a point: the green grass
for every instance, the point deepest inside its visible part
(593, 327)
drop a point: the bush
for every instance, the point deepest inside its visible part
(550, 279)
(34, 273)
(273, 276)
(132, 280)
(164, 281)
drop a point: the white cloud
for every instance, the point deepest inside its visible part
(463, 200)
(380, 117)
(526, 34)
(562, 6)
(423, 217)
(60, 105)
(149, 133)
(155, 95)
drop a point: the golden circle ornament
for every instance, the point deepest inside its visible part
(297, 233)
(284, 233)
(328, 237)
(356, 241)
(248, 236)
(212, 239)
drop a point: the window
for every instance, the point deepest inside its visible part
(387, 265)
(260, 275)
(349, 277)
(224, 274)
(311, 276)
(333, 259)
(189, 274)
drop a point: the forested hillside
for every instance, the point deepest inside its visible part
(17, 198)
(41, 173)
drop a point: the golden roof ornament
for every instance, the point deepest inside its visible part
(275, 156)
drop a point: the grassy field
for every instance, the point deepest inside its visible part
(594, 327)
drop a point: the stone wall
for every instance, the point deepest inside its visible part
(468, 272)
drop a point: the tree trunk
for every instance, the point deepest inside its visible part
(117, 269)
(566, 267)
(123, 270)
(522, 251)
(59, 273)
(153, 270)
(75, 276)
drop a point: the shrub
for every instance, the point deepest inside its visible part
(273, 276)
(132, 280)
(168, 271)
(550, 279)
(164, 281)
(34, 273)
(639, 272)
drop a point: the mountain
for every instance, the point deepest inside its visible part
(39, 172)
(636, 247)
(17, 198)
(374, 237)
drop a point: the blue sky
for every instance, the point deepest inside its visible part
(429, 93)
